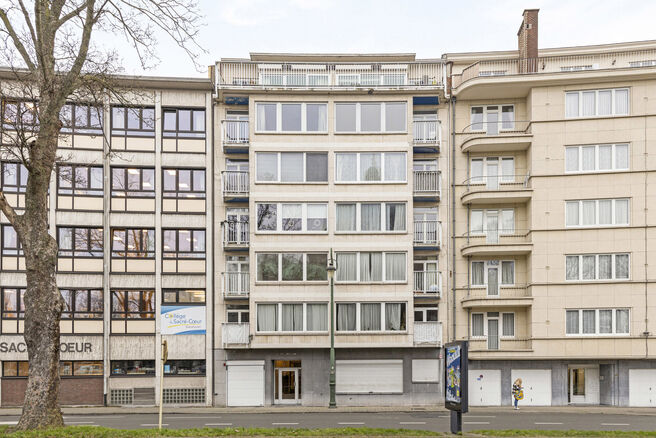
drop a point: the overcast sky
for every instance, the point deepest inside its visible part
(425, 27)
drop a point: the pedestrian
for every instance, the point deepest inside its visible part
(517, 392)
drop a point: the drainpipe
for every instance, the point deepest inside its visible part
(453, 217)
(214, 367)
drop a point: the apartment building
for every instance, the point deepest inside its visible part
(553, 228)
(129, 207)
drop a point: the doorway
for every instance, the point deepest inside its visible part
(287, 382)
(583, 385)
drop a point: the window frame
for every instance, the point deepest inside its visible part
(596, 220)
(358, 317)
(197, 362)
(192, 193)
(20, 169)
(358, 117)
(596, 169)
(88, 128)
(22, 108)
(279, 279)
(146, 362)
(383, 264)
(486, 264)
(499, 318)
(16, 251)
(613, 278)
(177, 297)
(74, 253)
(383, 219)
(20, 306)
(484, 122)
(278, 179)
(126, 193)
(279, 129)
(150, 255)
(502, 231)
(279, 218)
(597, 333)
(132, 132)
(72, 314)
(279, 328)
(596, 114)
(74, 190)
(383, 175)
(177, 132)
(177, 254)
(126, 312)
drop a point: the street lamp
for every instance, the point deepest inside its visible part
(330, 269)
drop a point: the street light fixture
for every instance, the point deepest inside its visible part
(330, 269)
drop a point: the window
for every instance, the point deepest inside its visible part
(480, 272)
(426, 313)
(292, 317)
(592, 103)
(11, 245)
(78, 118)
(370, 167)
(183, 244)
(82, 303)
(368, 217)
(492, 118)
(597, 158)
(133, 304)
(133, 182)
(80, 180)
(291, 266)
(597, 212)
(133, 121)
(66, 368)
(491, 325)
(367, 117)
(492, 171)
(237, 313)
(371, 317)
(14, 178)
(371, 267)
(80, 242)
(133, 243)
(508, 325)
(12, 303)
(492, 222)
(184, 368)
(189, 123)
(292, 117)
(183, 183)
(183, 296)
(291, 167)
(19, 115)
(133, 367)
(291, 218)
(597, 322)
(597, 267)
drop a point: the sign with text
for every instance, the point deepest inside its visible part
(183, 320)
(456, 372)
(13, 347)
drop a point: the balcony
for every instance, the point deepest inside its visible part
(427, 234)
(496, 136)
(428, 334)
(236, 285)
(248, 74)
(235, 185)
(497, 242)
(427, 136)
(501, 345)
(235, 335)
(235, 235)
(428, 284)
(427, 185)
(235, 135)
(501, 297)
(504, 189)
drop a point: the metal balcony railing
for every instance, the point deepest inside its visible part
(500, 236)
(500, 343)
(427, 232)
(236, 284)
(235, 333)
(502, 126)
(235, 233)
(497, 182)
(427, 132)
(235, 132)
(428, 333)
(234, 183)
(501, 291)
(428, 282)
(427, 182)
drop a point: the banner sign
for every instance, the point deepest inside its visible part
(456, 374)
(183, 320)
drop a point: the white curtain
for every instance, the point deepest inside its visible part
(477, 324)
(394, 266)
(267, 166)
(346, 317)
(291, 167)
(572, 322)
(370, 217)
(370, 169)
(605, 102)
(508, 170)
(477, 171)
(605, 321)
(347, 168)
(588, 103)
(317, 111)
(621, 211)
(605, 266)
(292, 317)
(370, 316)
(65, 238)
(393, 317)
(493, 280)
(605, 157)
(346, 217)
(477, 118)
(572, 105)
(478, 273)
(267, 317)
(371, 266)
(621, 102)
(622, 321)
(621, 266)
(346, 266)
(588, 210)
(317, 317)
(588, 321)
(572, 159)
(395, 218)
(508, 324)
(572, 267)
(261, 118)
(395, 168)
(572, 213)
(508, 272)
(476, 221)
(621, 156)
(508, 221)
(588, 158)
(588, 267)
(605, 212)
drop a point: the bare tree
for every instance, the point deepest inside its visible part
(54, 53)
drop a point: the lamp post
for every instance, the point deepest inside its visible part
(330, 269)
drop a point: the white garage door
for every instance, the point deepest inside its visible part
(537, 386)
(642, 387)
(369, 376)
(485, 387)
(245, 383)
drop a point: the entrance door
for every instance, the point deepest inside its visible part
(493, 278)
(492, 332)
(237, 225)
(492, 165)
(492, 226)
(492, 120)
(583, 385)
(237, 279)
(287, 382)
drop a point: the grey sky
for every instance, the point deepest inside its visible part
(426, 27)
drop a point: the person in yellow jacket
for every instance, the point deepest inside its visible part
(517, 392)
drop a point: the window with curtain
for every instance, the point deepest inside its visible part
(317, 317)
(572, 267)
(572, 105)
(478, 329)
(371, 266)
(597, 322)
(588, 267)
(591, 103)
(346, 266)
(292, 317)
(621, 266)
(508, 325)
(317, 120)
(345, 217)
(605, 266)
(370, 217)
(394, 316)
(597, 212)
(395, 117)
(291, 117)
(267, 166)
(292, 217)
(605, 321)
(597, 267)
(370, 169)
(597, 158)
(292, 266)
(291, 167)
(267, 117)
(316, 167)
(345, 119)
(622, 321)
(267, 317)
(589, 321)
(267, 267)
(572, 322)
(395, 167)
(315, 267)
(370, 317)
(347, 167)
(317, 217)
(507, 272)
(395, 216)
(478, 273)
(346, 317)
(395, 266)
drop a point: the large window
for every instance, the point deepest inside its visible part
(371, 267)
(82, 303)
(11, 245)
(292, 117)
(492, 171)
(291, 167)
(371, 117)
(79, 180)
(597, 322)
(133, 121)
(492, 118)
(291, 266)
(133, 367)
(13, 306)
(13, 178)
(133, 243)
(292, 317)
(184, 183)
(133, 182)
(486, 325)
(597, 212)
(79, 118)
(592, 103)
(78, 368)
(597, 158)
(19, 115)
(184, 368)
(188, 123)
(183, 244)
(133, 304)
(597, 267)
(172, 297)
(370, 217)
(371, 317)
(492, 222)
(283, 217)
(82, 242)
(493, 273)
(370, 167)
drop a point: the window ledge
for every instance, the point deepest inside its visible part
(291, 132)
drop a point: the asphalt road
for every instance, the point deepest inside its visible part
(436, 421)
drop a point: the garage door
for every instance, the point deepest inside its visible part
(245, 383)
(369, 376)
(485, 387)
(642, 387)
(537, 386)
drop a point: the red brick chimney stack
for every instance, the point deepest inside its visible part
(527, 41)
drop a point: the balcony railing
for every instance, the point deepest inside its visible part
(427, 232)
(308, 75)
(498, 236)
(234, 183)
(235, 334)
(236, 284)
(557, 64)
(499, 343)
(497, 182)
(428, 283)
(428, 333)
(502, 291)
(235, 132)
(427, 182)
(427, 132)
(498, 127)
(235, 233)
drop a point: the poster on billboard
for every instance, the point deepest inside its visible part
(455, 369)
(183, 320)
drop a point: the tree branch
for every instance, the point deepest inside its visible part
(28, 21)
(74, 13)
(9, 211)
(16, 39)
(74, 73)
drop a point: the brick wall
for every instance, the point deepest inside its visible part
(527, 39)
(73, 391)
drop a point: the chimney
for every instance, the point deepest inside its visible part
(527, 41)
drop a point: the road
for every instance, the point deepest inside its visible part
(436, 421)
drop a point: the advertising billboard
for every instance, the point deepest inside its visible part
(183, 320)
(456, 371)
